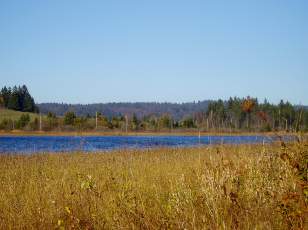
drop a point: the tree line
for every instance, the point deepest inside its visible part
(251, 115)
(233, 115)
(141, 109)
(17, 98)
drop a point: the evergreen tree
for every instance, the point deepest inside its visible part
(6, 94)
(165, 121)
(13, 102)
(26, 101)
(18, 99)
(286, 115)
(69, 118)
(135, 122)
(188, 123)
(104, 121)
(23, 121)
(51, 120)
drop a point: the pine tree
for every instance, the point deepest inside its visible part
(28, 103)
(69, 118)
(13, 102)
(6, 94)
(135, 122)
(18, 99)
(23, 121)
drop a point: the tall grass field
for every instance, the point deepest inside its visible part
(217, 187)
(15, 115)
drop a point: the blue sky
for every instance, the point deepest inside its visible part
(162, 50)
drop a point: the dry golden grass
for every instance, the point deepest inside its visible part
(219, 187)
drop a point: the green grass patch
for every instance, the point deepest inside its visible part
(15, 115)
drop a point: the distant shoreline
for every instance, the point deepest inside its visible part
(140, 133)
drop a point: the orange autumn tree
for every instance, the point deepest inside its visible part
(248, 106)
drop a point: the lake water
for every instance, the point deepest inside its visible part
(31, 144)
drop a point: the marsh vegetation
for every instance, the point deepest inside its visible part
(217, 187)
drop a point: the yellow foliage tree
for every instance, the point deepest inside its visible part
(247, 106)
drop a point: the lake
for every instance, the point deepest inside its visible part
(31, 144)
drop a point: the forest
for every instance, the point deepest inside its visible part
(141, 109)
(17, 98)
(233, 115)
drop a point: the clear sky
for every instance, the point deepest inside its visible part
(160, 50)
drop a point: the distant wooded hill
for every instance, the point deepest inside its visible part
(177, 111)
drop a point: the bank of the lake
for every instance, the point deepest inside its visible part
(138, 133)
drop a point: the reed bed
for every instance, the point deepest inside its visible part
(217, 187)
